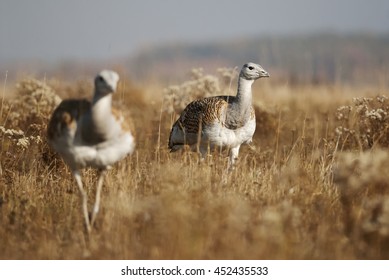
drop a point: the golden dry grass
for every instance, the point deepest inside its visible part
(303, 191)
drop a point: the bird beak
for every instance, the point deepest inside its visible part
(264, 74)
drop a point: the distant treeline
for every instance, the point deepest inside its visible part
(316, 58)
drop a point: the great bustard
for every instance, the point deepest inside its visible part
(91, 134)
(219, 121)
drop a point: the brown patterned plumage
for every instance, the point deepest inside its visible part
(203, 112)
(125, 121)
(65, 116)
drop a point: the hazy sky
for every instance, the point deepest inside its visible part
(84, 29)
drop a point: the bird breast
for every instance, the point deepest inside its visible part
(221, 135)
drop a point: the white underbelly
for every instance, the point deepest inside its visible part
(218, 135)
(97, 156)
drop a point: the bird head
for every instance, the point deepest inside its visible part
(253, 71)
(106, 82)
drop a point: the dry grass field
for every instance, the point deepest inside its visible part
(314, 184)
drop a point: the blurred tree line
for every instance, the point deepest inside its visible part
(316, 58)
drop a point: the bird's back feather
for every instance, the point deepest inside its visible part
(65, 117)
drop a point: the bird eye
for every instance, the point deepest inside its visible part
(101, 79)
(251, 67)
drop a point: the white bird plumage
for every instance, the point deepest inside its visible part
(219, 121)
(91, 134)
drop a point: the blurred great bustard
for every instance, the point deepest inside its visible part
(219, 121)
(91, 134)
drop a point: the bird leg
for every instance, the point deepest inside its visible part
(84, 199)
(233, 156)
(202, 152)
(96, 206)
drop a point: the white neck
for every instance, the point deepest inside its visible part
(244, 93)
(243, 99)
(99, 125)
(101, 108)
(238, 112)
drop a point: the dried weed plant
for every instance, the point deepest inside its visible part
(23, 123)
(363, 185)
(176, 97)
(305, 192)
(365, 123)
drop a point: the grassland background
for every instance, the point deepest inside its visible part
(314, 184)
